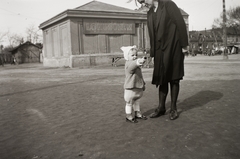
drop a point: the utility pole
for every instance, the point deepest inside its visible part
(225, 52)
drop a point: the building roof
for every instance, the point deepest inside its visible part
(14, 50)
(96, 9)
(183, 12)
(100, 6)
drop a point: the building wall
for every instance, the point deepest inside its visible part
(28, 54)
(94, 49)
(231, 39)
(57, 45)
(100, 43)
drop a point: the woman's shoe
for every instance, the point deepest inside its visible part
(143, 117)
(173, 114)
(131, 120)
(157, 113)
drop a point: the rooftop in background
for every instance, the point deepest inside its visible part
(14, 50)
(183, 12)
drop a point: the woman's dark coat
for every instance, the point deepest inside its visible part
(167, 39)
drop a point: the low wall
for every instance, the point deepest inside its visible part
(92, 59)
(84, 60)
(56, 62)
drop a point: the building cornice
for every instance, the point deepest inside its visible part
(73, 13)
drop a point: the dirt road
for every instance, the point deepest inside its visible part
(63, 113)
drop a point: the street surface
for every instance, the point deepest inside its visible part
(64, 113)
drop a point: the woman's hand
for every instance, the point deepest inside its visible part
(184, 49)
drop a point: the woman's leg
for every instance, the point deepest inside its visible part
(163, 92)
(174, 96)
(174, 93)
(161, 109)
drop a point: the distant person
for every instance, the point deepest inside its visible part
(13, 60)
(1, 56)
(1, 49)
(134, 84)
(168, 42)
(1, 60)
(233, 50)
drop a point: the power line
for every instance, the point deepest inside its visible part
(193, 4)
(19, 14)
(214, 2)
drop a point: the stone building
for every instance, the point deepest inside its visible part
(92, 34)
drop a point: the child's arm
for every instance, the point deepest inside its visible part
(131, 66)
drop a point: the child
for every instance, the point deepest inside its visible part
(134, 84)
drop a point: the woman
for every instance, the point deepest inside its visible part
(168, 41)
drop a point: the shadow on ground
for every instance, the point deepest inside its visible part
(198, 100)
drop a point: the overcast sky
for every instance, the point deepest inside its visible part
(17, 15)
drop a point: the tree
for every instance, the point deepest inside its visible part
(235, 15)
(14, 39)
(2, 35)
(7, 49)
(33, 34)
(232, 23)
(233, 19)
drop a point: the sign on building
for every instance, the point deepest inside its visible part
(108, 27)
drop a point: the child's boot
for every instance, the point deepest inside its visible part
(129, 117)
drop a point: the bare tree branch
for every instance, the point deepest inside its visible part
(14, 39)
(233, 19)
(33, 34)
(2, 35)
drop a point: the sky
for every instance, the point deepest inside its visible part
(17, 15)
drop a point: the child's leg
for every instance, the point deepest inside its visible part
(136, 108)
(136, 102)
(138, 113)
(128, 96)
(128, 110)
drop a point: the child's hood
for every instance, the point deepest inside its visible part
(126, 50)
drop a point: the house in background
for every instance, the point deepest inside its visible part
(203, 41)
(27, 53)
(213, 38)
(233, 35)
(93, 34)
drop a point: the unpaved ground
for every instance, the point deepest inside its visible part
(63, 113)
